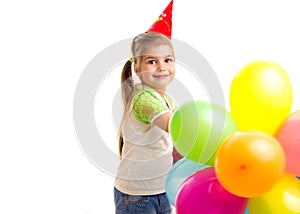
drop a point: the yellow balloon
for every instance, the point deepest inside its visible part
(283, 198)
(260, 97)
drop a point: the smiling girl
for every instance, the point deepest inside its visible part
(144, 142)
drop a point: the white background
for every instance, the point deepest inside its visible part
(45, 46)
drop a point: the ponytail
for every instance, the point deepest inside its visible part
(127, 87)
(127, 83)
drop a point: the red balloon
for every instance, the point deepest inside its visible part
(202, 193)
(288, 136)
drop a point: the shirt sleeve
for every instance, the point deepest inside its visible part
(146, 107)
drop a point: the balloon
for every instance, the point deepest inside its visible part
(260, 97)
(288, 136)
(248, 164)
(247, 210)
(179, 172)
(202, 193)
(284, 197)
(197, 128)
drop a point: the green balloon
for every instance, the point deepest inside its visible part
(197, 129)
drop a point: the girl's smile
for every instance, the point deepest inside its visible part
(161, 76)
(156, 67)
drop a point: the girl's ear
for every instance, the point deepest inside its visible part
(136, 70)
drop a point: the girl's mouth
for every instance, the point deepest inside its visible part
(161, 76)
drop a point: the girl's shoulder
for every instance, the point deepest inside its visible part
(146, 94)
(146, 104)
(144, 89)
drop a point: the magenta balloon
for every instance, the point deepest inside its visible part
(288, 136)
(202, 193)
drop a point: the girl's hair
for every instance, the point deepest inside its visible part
(139, 46)
(127, 87)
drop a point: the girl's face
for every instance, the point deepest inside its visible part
(156, 68)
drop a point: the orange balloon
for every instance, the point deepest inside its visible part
(249, 164)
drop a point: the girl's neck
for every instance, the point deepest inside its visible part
(161, 91)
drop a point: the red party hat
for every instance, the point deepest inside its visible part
(163, 23)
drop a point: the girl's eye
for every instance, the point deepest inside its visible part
(168, 60)
(151, 62)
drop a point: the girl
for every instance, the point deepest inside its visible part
(144, 142)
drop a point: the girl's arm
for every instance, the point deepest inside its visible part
(163, 121)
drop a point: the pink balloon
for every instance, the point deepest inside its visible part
(202, 193)
(288, 136)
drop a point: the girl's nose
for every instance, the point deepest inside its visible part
(161, 66)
